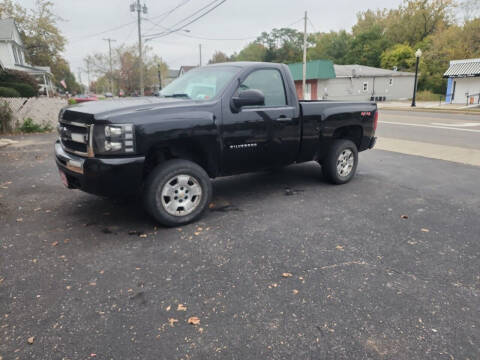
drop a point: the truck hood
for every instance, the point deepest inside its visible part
(103, 110)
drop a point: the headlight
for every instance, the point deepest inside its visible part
(114, 139)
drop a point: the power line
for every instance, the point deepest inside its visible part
(216, 39)
(189, 22)
(311, 23)
(168, 12)
(102, 32)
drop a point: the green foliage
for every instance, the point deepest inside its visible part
(367, 47)
(72, 101)
(24, 90)
(16, 76)
(331, 46)
(8, 92)
(401, 56)
(5, 117)
(29, 126)
(427, 95)
(252, 52)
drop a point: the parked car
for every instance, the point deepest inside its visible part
(168, 148)
(108, 95)
(84, 98)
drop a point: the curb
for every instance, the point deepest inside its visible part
(444, 111)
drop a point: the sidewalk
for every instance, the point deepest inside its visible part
(429, 106)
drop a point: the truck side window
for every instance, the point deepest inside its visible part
(268, 81)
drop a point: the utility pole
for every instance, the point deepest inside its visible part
(110, 60)
(304, 78)
(200, 52)
(136, 6)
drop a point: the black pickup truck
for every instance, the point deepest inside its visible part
(213, 121)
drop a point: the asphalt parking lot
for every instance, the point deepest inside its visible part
(284, 266)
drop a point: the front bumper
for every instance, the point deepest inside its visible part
(101, 176)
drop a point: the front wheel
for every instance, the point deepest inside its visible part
(177, 192)
(341, 162)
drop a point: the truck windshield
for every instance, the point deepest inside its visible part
(200, 84)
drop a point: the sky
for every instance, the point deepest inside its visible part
(85, 23)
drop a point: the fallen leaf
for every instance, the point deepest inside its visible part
(193, 320)
(19, 219)
(55, 243)
(200, 330)
(93, 355)
(92, 283)
(102, 271)
(143, 235)
(425, 230)
(196, 233)
(168, 308)
(181, 307)
(199, 228)
(31, 339)
(286, 275)
(404, 216)
(295, 291)
(68, 287)
(172, 321)
(211, 205)
(339, 247)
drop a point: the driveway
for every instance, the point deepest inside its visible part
(284, 266)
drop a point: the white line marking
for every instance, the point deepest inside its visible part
(458, 125)
(429, 126)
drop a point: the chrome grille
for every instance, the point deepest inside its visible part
(75, 137)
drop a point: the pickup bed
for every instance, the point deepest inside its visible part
(213, 121)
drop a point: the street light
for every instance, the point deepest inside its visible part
(418, 54)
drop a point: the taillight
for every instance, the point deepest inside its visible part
(375, 121)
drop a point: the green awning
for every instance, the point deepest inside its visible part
(316, 69)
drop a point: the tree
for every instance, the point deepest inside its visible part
(126, 74)
(219, 57)
(367, 47)
(252, 52)
(400, 56)
(332, 46)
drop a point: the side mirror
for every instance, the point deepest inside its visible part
(251, 97)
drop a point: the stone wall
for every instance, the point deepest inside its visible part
(41, 110)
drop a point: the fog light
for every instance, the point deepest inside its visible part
(113, 146)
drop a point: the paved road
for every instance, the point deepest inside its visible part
(85, 277)
(451, 137)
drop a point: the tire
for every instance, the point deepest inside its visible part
(177, 192)
(341, 162)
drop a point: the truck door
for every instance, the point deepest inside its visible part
(260, 137)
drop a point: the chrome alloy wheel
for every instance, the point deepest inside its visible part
(181, 195)
(345, 162)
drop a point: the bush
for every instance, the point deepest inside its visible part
(5, 117)
(72, 101)
(8, 92)
(15, 76)
(29, 126)
(427, 95)
(23, 89)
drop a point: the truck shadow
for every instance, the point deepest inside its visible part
(229, 193)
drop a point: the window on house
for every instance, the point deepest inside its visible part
(365, 86)
(15, 55)
(390, 81)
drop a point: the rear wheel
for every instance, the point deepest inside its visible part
(177, 192)
(341, 162)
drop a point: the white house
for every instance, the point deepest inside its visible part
(12, 56)
(463, 85)
(326, 81)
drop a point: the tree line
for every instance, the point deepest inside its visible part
(443, 29)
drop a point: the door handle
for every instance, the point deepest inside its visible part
(284, 118)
